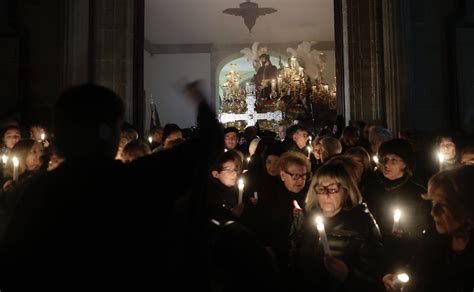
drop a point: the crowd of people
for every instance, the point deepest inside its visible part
(352, 208)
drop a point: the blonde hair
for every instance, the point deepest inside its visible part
(338, 173)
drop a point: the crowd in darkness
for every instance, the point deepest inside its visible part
(93, 203)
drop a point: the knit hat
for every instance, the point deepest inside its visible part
(274, 148)
(401, 148)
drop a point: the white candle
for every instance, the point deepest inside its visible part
(322, 235)
(4, 159)
(309, 151)
(255, 195)
(396, 219)
(150, 139)
(15, 168)
(273, 85)
(279, 80)
(43, 136)
(241, 190)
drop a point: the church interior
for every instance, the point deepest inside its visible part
(237, 145)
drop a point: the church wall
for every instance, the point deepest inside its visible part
(163, 74)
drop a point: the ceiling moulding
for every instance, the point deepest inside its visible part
(161, 49)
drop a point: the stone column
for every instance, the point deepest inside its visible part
(76, 43)
(361, 49)
(113, 45)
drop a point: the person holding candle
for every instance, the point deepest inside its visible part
(394, 187)
(445, 256)
(11, 136)
(447, 152)
(223, 191)
(354, 241)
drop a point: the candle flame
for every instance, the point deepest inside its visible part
(15, 161)
(375, 158)
(319, 220)
(43, 136)
(441, 157)
(241, 184)
(150, 139)
(248, 159)
(4, 159)
(396, 215)
(403, 277)
(309, 148)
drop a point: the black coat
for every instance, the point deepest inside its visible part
(436, 267)
(354, 238)
(382, 197)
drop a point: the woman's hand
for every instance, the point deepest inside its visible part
(389, 282)
(237, 210)
(337, 268)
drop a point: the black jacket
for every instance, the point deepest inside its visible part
(354, 238)
(436, 267)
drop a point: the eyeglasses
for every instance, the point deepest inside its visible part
(296, 176)
(329, 190)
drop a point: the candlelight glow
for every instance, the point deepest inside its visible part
(43, 136)
(375, 158)
(396, 215)
(403, 277)
(150, 139)
(441, 157)
(248, 159)
(319, 220)
(15, 161)
(4, 159)
(241, 184)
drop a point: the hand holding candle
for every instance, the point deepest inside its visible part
(322, 235)
(241, 191)
(396, 219)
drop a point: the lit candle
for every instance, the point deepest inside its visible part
(150, 139)
(296, 205)
(43, 137)
(225, 149)
(375, 158)
(309, 151)
(4, 159)
(248, 159)
(322, 235)
(326, 87)
(15, 168)
(441, 160)
(401, 280)
(396, 219)
(241, 190)
(255, 195)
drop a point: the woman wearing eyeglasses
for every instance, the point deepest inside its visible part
(445, 258)
(354, 239)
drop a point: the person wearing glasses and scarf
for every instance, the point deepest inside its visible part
(444, 260)
(278, 208)
(352, 262)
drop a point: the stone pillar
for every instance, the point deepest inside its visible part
(113, 45)
(394, 66)
(76, 43)
(360, 47)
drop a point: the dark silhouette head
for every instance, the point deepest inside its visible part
(87, 121)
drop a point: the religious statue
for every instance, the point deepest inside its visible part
(265, 77)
